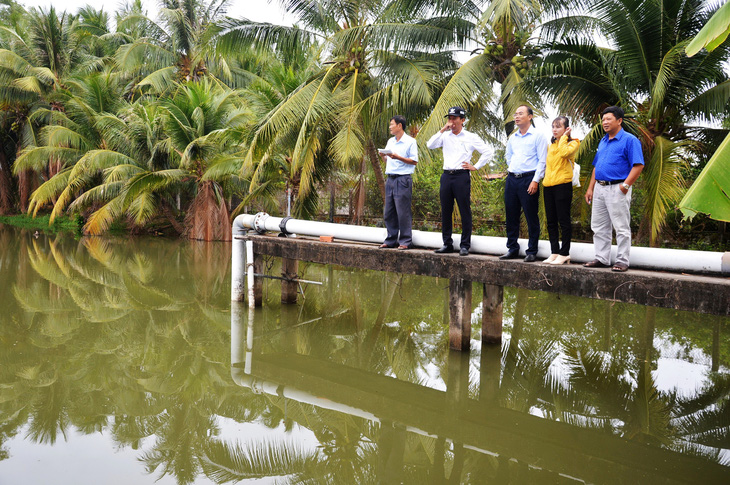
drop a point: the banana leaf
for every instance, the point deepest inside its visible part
(710, 193)
(713, 33)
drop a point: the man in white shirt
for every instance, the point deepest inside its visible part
(401, 157)
(526, 155)
(458, 145)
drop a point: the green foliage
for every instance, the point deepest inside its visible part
(43, 223)
(193, 102)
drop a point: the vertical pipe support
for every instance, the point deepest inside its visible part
(254, 265)
(238, 270)
(492, 314)
(289, 269)
(459, 314)
(250, 273)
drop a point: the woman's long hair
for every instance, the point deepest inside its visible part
(563, 121)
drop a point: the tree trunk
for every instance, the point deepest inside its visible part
(207, 219)
(171, 219)
(25, 188)
(377, 168)
(7, 188)
(360, 195)
(332, 200)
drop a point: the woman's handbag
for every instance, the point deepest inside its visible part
(576, 175)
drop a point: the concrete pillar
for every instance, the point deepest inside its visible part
(459, 314)
(492, 314)
(289, 269)
(258, 283)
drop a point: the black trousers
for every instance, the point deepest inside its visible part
(397, 212)
(456, 186)
(558, 199)
(516, 198)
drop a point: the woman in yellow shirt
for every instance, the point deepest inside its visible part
(558, 189)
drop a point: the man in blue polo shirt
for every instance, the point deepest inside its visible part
(616, 166)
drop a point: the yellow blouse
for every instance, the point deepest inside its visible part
(559, 164)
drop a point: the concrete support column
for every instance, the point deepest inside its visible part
(289, 269)
(258, 283)
(459, 314)
(492, 314)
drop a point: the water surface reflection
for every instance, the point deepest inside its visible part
(134, 341)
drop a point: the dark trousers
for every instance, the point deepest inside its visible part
(397, 212)
(516, 198)
(456, 186)
(558, 199)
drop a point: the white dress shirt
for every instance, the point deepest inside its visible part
(405, 147)
(458, 148)
(527, 152)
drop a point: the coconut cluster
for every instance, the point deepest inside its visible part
(355, 63)
(521, 64)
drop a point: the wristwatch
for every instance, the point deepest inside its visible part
(625, 185)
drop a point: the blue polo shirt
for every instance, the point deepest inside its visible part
(615, 158)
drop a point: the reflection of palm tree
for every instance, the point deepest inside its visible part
(624, 399)
(132, 361)
(232, 463)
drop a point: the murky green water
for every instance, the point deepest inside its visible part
(124, 362)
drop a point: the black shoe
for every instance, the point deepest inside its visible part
(512, 254)
(530, 258)
(463, 252)
(445, 249)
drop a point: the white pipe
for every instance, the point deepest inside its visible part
(641, 257)
(238, 264)
(249, 265)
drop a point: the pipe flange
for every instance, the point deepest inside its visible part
(282, 226)
(259, 222)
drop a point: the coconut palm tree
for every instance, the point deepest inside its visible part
(645, 70)
(139, 163)
(372, 60)
(40, 51)
(267, 89)
(179, 47)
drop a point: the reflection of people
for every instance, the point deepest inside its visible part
(525, 154)
(400, 164)
(558, 189)
(616, 166)
(458, 145)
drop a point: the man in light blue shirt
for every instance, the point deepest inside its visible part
(401, 157)
(526, 156)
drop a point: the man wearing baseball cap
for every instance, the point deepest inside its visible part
(458, 146)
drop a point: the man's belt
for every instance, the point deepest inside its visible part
(520, 175)
(608, 182)
(396, 175)
(460, 170)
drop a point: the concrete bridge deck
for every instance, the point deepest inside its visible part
(679, 291)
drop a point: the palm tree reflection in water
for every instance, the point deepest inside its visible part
(135, 340)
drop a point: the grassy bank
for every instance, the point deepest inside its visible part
(42, 223)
